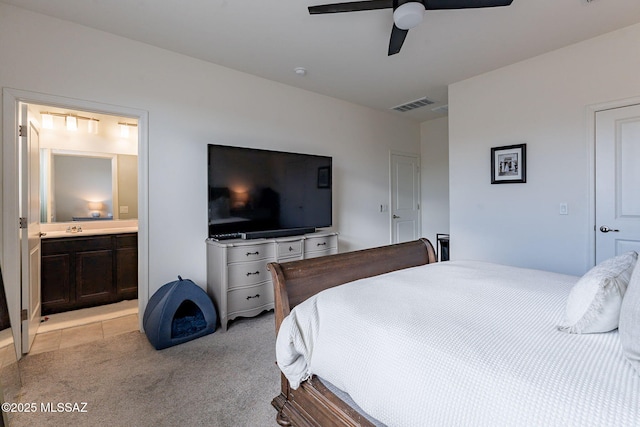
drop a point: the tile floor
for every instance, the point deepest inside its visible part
(65, 330)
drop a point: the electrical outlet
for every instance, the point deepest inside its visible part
(124, 209)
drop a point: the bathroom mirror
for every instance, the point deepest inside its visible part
(10, 381)
(88, 171)
(83, 186)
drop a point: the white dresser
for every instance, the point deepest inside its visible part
(237, 275)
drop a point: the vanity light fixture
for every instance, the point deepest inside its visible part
(71, 121)
(47, 121)
(124, 128)
(92, 126)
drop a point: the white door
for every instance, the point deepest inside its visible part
(405, 198)
(617, 181)
(30, 227)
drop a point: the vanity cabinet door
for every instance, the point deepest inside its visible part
(94, 277)
(56, 282)
(127, 267)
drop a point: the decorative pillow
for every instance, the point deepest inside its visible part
(594, 302)
(629, 328)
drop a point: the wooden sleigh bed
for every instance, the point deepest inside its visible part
(313, 404)
(406, 340)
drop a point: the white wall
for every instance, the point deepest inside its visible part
(434, 157)
(192, 103)
(544, 103)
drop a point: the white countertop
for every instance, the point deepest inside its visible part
(89, 232)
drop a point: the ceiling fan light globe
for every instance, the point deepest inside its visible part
(408, 15)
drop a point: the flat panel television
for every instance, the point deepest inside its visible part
(253, 191)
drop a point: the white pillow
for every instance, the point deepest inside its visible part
(594, 302)
(630, 321)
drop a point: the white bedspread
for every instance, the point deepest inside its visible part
(460, 344)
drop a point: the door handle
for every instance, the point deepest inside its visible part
(395, 216)
(42, 234)
(606, 229)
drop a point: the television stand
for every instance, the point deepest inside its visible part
(269, 234)
(237, 275)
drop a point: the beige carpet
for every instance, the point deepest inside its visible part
(222, 379)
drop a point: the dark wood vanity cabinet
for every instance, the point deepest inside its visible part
(80, 272)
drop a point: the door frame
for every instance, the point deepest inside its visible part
(591, 152)
(9, 231)
(391, 190)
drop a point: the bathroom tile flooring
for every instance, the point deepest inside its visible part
(72, 328)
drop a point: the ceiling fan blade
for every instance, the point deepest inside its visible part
(397, 39)
(354, 6)
(463, 4)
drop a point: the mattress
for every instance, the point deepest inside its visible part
(349, 401)
(460, 343)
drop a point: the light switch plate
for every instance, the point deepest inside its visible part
(564, 209)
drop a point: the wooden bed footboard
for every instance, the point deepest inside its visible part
(312, 404)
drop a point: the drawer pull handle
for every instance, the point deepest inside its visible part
(253, 253)
(290, 248)
(255, 296)
(253, 274)
(322, 244)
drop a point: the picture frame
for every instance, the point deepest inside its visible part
(509, 164)
(324, 177)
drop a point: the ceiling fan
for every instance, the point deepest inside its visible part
(406, 14)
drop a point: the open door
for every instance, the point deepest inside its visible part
(617, 181)
(30, 226)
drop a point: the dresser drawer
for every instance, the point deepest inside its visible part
(289, 249)
(250, 298)
(250, 253)
(316, 254)
(247, 273)
(237, 276)
(320, 243)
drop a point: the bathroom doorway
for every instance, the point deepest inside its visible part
(79, 136)
(88, 193)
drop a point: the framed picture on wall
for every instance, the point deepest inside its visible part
(324, 177)
(509, 164)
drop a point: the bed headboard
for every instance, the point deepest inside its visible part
(296, 281)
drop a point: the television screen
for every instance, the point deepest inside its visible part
(254, 190)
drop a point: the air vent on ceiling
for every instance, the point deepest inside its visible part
(442, 109)
(412, 105)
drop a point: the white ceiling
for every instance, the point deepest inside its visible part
(346, 54)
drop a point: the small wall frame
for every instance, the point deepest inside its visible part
(509, 164)
(324, 177)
